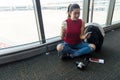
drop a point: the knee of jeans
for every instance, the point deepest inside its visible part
(92, 46)
(59, 47)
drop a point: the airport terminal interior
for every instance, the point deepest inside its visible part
(30, 33)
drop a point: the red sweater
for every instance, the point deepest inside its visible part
(73, 30)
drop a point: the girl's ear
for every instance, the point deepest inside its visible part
(69, 15)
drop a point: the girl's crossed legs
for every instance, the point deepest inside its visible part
(75, 50)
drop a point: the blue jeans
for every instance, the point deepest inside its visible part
(76, 50)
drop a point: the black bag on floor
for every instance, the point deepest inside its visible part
(97, 35)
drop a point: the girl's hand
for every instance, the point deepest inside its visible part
(86, 36)
(82, 37)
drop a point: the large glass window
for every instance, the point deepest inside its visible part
(17, 23)
(54, 12)
(116, 14)
(100, 9)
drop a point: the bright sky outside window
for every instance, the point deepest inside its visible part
(100, 11)
(116, 14)
(18, 23)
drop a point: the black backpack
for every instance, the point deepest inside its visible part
(96, 36)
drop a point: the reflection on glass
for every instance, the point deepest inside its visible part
(116, 14)
(18, 23)
(54, 12)
(100, 11)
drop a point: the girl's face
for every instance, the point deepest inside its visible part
(75, 14)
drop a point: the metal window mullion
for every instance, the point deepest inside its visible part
(110, 12)
(86, 4)
(92, 10)
(40, 21)
(37, 21)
